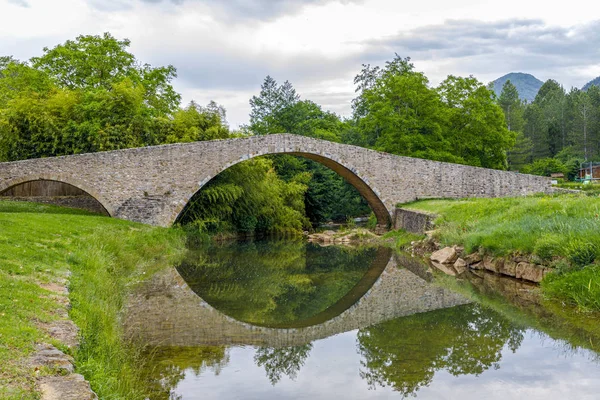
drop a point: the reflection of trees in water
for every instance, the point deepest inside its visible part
(405, 353)
(282, 361)
(274, 282)
(166, 367)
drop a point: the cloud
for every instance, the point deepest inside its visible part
(22, 3)
(494, 48)
(239, 10)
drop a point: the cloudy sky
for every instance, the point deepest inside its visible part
(223, 49)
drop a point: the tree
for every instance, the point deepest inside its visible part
(279, 109)
(398, 113)
(266, 106)
(545, 167)
(476, 124)
(546, 120)
(512, 106)
(102, 61)
(583, 114)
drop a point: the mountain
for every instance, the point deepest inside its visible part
(527, 85)
(594, 82)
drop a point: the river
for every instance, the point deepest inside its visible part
(293, 320)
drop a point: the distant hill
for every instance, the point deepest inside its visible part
(594, 82)
(527, 85)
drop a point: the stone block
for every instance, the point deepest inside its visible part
(447, 255)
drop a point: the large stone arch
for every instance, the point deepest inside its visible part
(153, 184)
(71, 181)
(350, 174)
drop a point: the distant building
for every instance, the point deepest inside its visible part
(589, 171)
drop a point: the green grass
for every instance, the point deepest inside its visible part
(560, 230)
(101, 257)
(590, 189)
(401, 239)
(548, 226)
(580, 288)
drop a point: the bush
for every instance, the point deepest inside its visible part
(545, 167)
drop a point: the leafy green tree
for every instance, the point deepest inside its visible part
(398, 112)
(279, 109)
(520, 153)
(266, 106)
(250, 198)
(476, 124)
(102, 61)
(584, 112)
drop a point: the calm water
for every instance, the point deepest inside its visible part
(291, 320)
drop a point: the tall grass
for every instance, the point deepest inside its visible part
(104, 268)
(561, 230)
(104, 258)
(548, 226)
(580, 288)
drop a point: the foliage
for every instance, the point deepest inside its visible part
(282, 361)
(279, 109)
(396, 111)
(545, 167)
(250, 198)
(91, 94)
(475, 123)
(41, 244)
(91, 62)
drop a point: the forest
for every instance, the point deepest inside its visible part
(91, 94)
(556, 132)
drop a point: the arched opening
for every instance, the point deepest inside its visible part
(351, 177)
(54, 192)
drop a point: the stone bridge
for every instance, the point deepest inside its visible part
(166, 312)
(153, 184)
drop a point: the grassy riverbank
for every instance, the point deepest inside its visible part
(561, 231)
(99, 257)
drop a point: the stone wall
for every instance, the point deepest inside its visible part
(413, 221)
(153, 184)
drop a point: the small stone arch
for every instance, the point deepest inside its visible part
(5, 186)
(351, 175)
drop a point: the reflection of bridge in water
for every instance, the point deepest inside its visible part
(166, 312)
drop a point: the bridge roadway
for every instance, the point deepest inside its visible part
(166, 312)
(153, 184)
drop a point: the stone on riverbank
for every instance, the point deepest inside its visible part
(447, 255)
